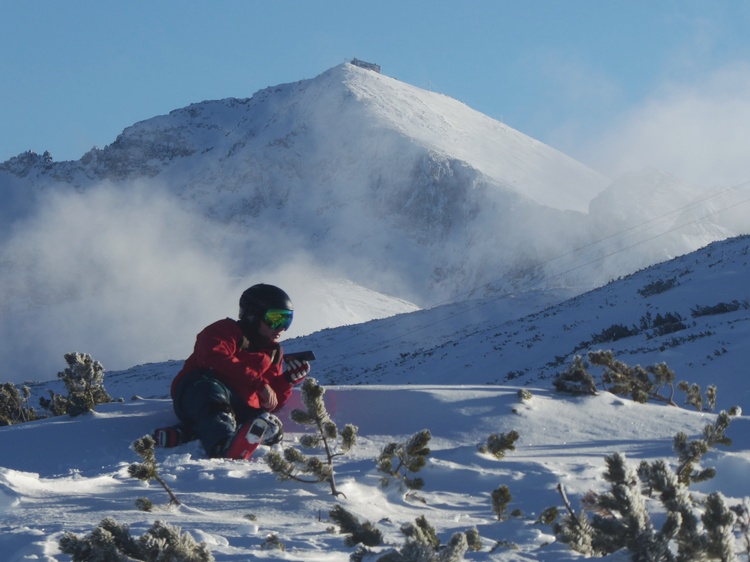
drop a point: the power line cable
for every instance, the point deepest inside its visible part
(485, 302)
(639, 227)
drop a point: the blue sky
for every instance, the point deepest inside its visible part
(617, 84)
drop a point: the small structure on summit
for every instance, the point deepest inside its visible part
(366, 65)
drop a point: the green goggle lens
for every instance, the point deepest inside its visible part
(278, 319)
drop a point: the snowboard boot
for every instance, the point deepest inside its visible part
(246, 439)
(274, 432)
(172, 436)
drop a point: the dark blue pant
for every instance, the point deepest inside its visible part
(208, 408)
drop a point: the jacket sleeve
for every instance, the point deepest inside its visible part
(280, 385)
(218, 348)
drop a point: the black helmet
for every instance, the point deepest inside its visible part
(260, 298)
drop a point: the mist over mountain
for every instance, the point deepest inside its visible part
(349, 177)
(692, 312)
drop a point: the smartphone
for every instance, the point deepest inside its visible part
(301, 355)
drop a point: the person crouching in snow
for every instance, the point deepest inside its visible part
(235, 379)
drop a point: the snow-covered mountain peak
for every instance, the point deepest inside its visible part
(346, 112)
(355, 167)
(517, 162)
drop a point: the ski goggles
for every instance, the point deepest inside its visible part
(278, 318)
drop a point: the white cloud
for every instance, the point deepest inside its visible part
(121, 273)
(697, 131)
(125, 274)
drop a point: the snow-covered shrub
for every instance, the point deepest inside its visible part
(473, 539)
(14, 404)
(575, 379)
(84, 382)
(691, 528)
(422, 545)
(144, 504)
(147, 470)
(549, 515)
(654, 382)
(498, 444)
(743, 522)
(640, 383)
(668, 323)
(689, 453)
(111, 542)
(411, 457)
(657, 287)
(695, 398)
(720, 308)
(613, 333)
(501, 497)
(334, 443)
(524, 395)
(358, 533)
(273, 542)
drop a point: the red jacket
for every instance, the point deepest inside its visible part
(222, 348)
